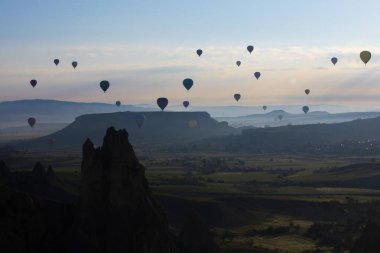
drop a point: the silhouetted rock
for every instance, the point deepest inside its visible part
(369, 241)
(50, 175)
(118, 212)
(32, 225)
(4, 171)
(196, 237)
(38, 174)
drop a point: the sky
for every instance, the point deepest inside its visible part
(145, 48)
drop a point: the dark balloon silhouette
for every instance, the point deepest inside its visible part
(365, 56)
(334, 60)
(305, 109)
(51, 143)
(257, 75)
(199, 52)
(104, 85)
(237, 97)
(140, 119)
(280, 117)
(192, 124)
(56, 62)
(250, 49)
(31, 121)
(188, 83)
(238, 63)
(186, 103)
(33, 83)
(118, 103)
(162, 103)
(264, 107)
(307, 91)
(74, 64)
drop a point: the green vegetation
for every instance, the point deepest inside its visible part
(254, 203)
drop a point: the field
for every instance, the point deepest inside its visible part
(253, 203)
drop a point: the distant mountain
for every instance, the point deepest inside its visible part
(243, 110)
(16, 113)
(18, 133)
(355, 137)
(314, 117)
(159, 127)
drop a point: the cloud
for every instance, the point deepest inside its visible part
(140, 73)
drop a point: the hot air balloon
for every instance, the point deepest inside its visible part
(75, 64)
(238, 63)
(305, 109)
(51, 143)
(140, 119)
(186, 103)
(33, 83)
(334, 60)
(118, 103)
(104, 85)
(193, 124)
(162, 103)
(264, 107)
(257, 75)
(188, 83)
(56, 62)
(237, 97)
(280, 117)
(307, 91)
(31, 121)
(250, 49)
(199, 52)
(365, 56)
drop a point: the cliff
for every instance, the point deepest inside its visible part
(158, 127)
(118, 212)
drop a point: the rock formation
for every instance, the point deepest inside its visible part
(4, 171)
(38, 174)
(118, 212)
(369, 241)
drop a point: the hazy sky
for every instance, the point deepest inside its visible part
(146, 48)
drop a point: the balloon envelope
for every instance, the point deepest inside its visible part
(162, 103)
(365, 56)
(238, 63)
(264, 107)
(193, 124)
(140, 119)
(118, 103)
(237, 97)
(56, 62)
(33, 83)
(186, 103)
(75, 64)
(31, 121)
(250, 48)
(188, 83)
(257, 75)
(305, 109)
(280, 117)
(199, 52)
(104, 85)
(51, 142)
(334, 60)
(307, 91)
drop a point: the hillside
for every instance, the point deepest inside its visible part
(314, 117)
(358, 136)
(159, 127)
(16, 113)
